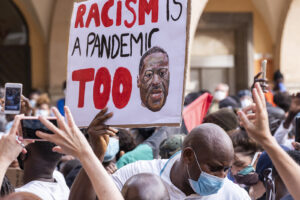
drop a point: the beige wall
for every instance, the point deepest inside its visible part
(262, 38)
(37, 45)
(58, 47)
(290, 48)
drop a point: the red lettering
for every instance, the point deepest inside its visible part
(102, 79)
(83, 76)
(104, 13)
(80, 12)
(93, 14)
(121, 77)
(145, 7)
(119, 13)
(127, 4)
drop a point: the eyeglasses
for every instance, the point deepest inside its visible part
(269, 184)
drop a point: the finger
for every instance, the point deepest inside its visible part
(106, 138)
(114, 130)
(257, 101)
(45, 136)
(49, 125)
(69, 116)
(58, 149)
(261, 80)
(103, 132)
(257, 75)
(15, 126)
(60, 119)
(104, 118)
(261, 94)
(251, 116)
(249, 108)
(244, 120)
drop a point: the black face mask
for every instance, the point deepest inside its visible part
(248, 179)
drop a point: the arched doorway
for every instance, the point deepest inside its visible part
(14, 47)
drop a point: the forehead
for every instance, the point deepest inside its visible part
(156, 58)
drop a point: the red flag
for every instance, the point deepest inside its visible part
(194, 113)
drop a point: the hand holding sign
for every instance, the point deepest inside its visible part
(99, 133)
(131, 60)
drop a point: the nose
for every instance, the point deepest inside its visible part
(155, 79)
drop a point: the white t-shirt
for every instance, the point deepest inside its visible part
(48, 190)
(229, 191)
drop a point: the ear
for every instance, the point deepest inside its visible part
(138, 82)
(188, 155)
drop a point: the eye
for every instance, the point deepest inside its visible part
(163, 72)
(148, 75)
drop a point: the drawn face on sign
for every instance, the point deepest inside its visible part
(153, 79)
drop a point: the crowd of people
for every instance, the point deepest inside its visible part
(244, 149)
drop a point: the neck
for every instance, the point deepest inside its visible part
(179, 178)
(38, 173)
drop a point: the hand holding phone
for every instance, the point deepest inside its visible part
(12, 98)
(30, 125)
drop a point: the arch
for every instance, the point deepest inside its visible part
(14, 48)
(290, 48)
(37, 43)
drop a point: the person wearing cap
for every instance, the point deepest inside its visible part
(170, 146)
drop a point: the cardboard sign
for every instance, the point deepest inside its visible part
(194, 113)
(129, 56)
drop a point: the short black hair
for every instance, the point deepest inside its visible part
(151, 51)
(283, 100)
(43, 149)
(6, 187)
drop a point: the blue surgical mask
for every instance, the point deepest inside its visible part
(207, 184)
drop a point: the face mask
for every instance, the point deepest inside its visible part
(207, 184)
(248, 176)
(219, 95)
(245, 103)
(32, 102)
(44, 113)
(112, 149)
(247, 179)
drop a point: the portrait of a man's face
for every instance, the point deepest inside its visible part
(153, 78)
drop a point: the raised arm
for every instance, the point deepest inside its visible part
(256, 124)
(11, 147)
(71, 141)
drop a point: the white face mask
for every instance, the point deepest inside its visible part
(32, 102)
(245, 103)
(219, 95)
(44, 113)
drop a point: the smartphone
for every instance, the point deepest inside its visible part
(297, 137)
(12, 104)
(29, 126)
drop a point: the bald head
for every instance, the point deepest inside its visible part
(212, 140)
(145, 187)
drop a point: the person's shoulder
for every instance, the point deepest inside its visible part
(145, 166)
(233, 191)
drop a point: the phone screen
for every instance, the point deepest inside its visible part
(12, 98)
(297, 138)
(30, 126)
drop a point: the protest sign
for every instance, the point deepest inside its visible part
(194, 113)
(129, 56)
